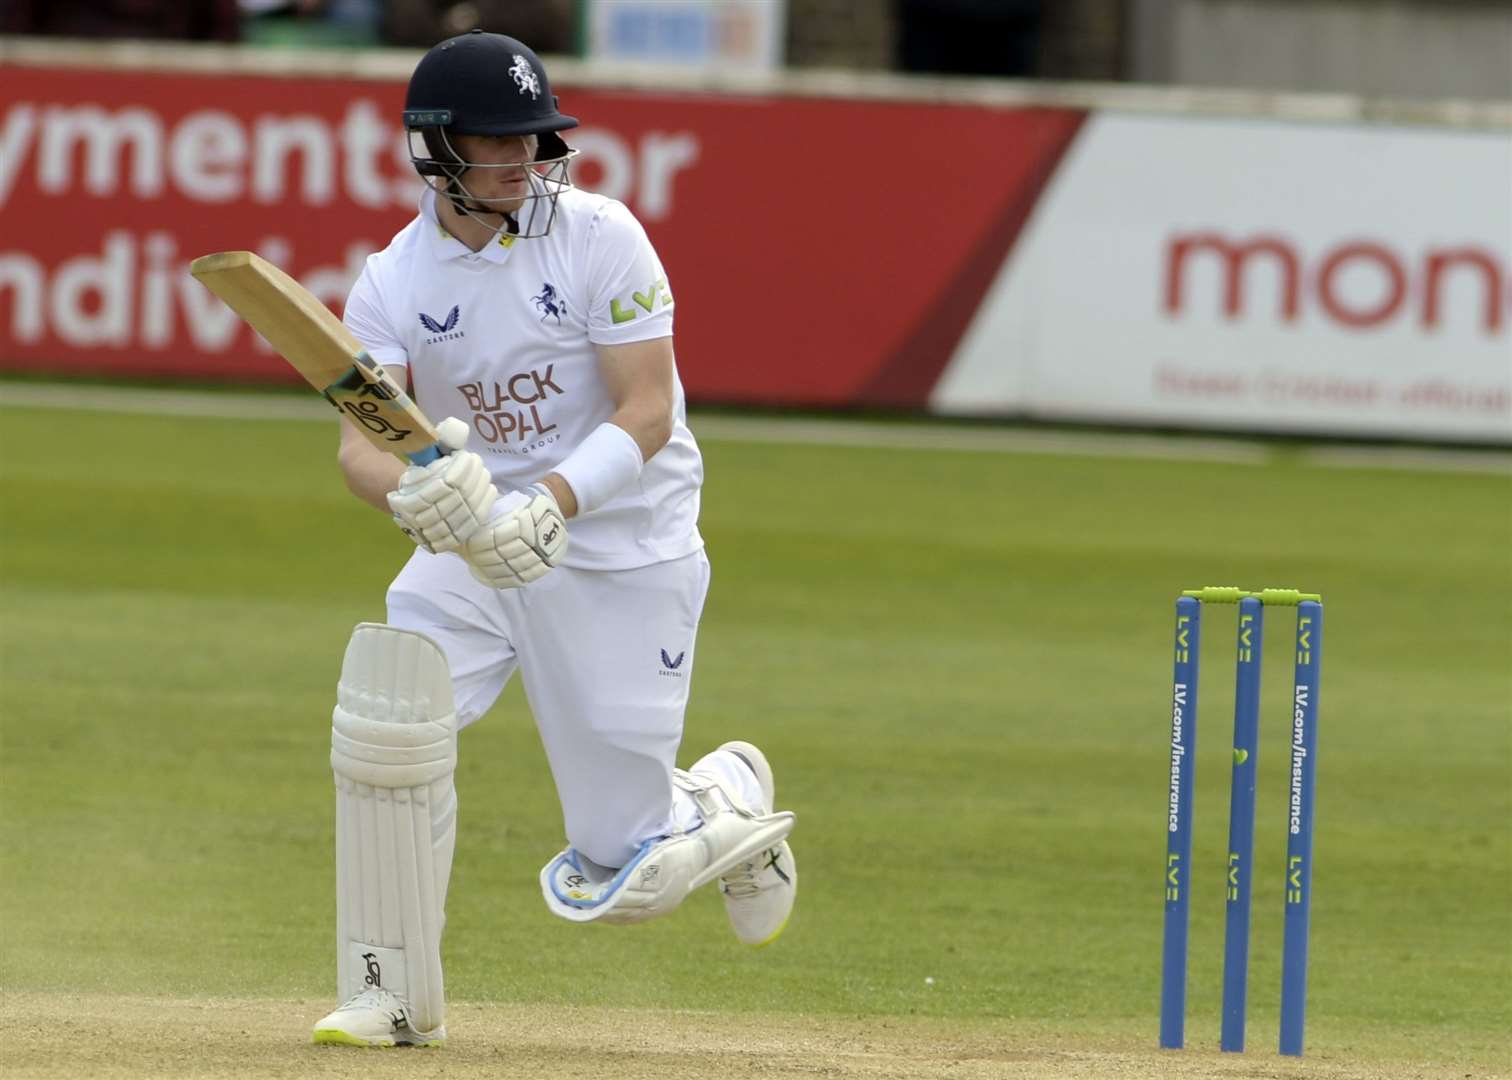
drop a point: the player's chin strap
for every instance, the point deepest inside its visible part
(542, 190)
(466, 204)
(665, 869)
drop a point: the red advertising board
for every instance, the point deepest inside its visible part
(822, 251)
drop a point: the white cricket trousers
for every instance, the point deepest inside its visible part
(606, 658)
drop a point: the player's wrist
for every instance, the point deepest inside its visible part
(561, 493)
(603, 465)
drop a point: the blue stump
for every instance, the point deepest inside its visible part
(1299, 842)
(1178, 858)
(1241, 849)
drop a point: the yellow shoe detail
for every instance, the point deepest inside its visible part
(777, 933)
(333, 1037)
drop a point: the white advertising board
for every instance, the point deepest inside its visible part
(1326, 279)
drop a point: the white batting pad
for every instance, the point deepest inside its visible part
(666, 869)
(393, 752)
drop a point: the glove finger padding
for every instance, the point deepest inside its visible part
(526, 538)
(442, 504)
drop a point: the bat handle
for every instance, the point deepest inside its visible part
(433, 452)
(451, 435)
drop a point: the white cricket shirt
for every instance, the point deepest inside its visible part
(504, 339)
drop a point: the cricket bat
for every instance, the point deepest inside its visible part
(313, 340)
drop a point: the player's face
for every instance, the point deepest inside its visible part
(510, 184)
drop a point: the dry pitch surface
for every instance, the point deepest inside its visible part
(63, 1035)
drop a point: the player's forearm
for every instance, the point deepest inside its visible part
(648, 420)
(370, 474)
(642, 382)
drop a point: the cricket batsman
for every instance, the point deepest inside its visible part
(558, 538)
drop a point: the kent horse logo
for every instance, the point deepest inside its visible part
(524, 77)
(452, 318)
(550, 304)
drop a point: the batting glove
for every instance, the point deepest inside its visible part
(440, 505)
(525, 538)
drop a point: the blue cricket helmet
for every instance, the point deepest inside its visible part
(484, 84)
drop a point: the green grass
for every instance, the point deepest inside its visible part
(959, 663)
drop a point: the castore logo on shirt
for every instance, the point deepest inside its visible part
(446, 329)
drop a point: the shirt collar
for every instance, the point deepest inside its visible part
(446, 246)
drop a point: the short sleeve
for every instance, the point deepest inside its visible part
(369, 323)
(629, 298)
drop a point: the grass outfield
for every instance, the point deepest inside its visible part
(958, 662)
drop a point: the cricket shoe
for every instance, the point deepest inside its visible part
(759, 894)
(375, 1017)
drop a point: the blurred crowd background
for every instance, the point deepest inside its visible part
(1400, 48)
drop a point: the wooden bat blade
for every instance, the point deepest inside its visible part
(303, 330)
(315, 343)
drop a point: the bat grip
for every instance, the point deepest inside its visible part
(433, 452)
